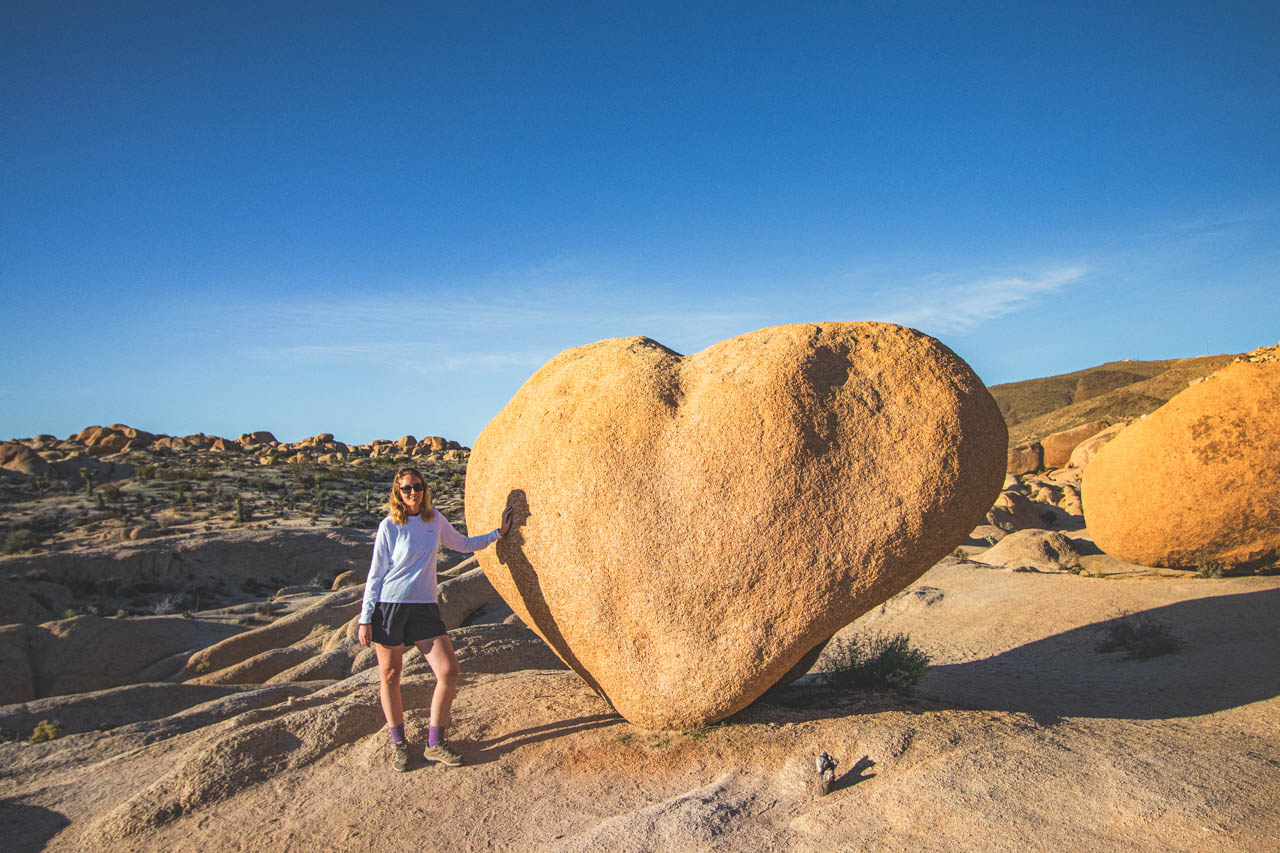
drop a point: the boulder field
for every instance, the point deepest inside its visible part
(688, 528)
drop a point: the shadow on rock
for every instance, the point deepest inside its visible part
(494, 748)
(28, 828)
(510, 550)
(1227, 646)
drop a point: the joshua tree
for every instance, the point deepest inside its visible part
(88, 475)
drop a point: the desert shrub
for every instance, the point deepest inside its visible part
(879, 660)
(991, 539)
(166, 605)
(110, 493)
(266, 608)
(46, 730)
(145, 471)
(70, 613)
(1207, 568)
(1139, 635)
(19, 540)
(7, 735)
(960, 553)
(1048, 517)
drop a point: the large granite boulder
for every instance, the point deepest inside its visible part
(1087, 449)
(1196, 480)
(1025, 458)
(687, 528)
(1059, 445)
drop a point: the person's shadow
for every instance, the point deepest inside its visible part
(483, 751)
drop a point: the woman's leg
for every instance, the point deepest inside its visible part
(390, 665)
(444, 663)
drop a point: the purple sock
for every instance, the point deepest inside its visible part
(397, 733)
(435, 734)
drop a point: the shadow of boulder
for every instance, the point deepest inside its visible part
(1228, 645)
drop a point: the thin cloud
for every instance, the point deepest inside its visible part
(962, 306)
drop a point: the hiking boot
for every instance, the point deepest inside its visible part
(442, 754)
(400, 756)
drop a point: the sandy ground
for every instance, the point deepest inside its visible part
(1022, 736)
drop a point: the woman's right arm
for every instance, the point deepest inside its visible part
(378, 567)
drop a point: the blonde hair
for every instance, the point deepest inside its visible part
(399, 512)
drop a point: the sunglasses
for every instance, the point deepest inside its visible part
(412, 487)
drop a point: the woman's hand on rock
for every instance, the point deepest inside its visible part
(506, 522)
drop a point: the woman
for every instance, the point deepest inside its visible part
(400, 607)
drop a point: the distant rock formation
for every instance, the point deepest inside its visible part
(1087, 449)
(1059, 446)
(688, 528)
(1196, 481)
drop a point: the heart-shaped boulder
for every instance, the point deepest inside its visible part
(687, 528)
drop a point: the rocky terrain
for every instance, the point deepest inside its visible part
(118, 521)
(178, 659)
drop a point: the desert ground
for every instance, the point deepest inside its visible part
(181, 674)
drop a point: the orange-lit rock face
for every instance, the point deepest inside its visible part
(1196, 480)
(688, 527)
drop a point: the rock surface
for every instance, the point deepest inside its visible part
(1058, 446)
(1198, 479)
(688, 528)
(1042, 550)
(1087, 449)
(1025, 458)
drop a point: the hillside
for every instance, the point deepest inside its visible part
(1114, 391)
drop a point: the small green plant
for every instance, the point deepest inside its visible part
(145, 471)
(879, 660)
(7, 735)
(243, 513)
(702, 731)
(1139, 635)
(19, 540)
(661, 743)
(89, 475)
(70, 613)
(46, 730)
(960, 553)
(991, 539)
(624, 738)
(266, 608)
(1207, 568)
(1072, 565)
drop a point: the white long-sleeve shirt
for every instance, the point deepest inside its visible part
(403, 569)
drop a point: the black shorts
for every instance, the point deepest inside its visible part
(396, 624)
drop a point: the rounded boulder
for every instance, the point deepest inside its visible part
(688, 528)
(1196, 480)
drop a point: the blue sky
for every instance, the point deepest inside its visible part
(375, 219)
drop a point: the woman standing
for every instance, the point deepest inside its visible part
(400, 607)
